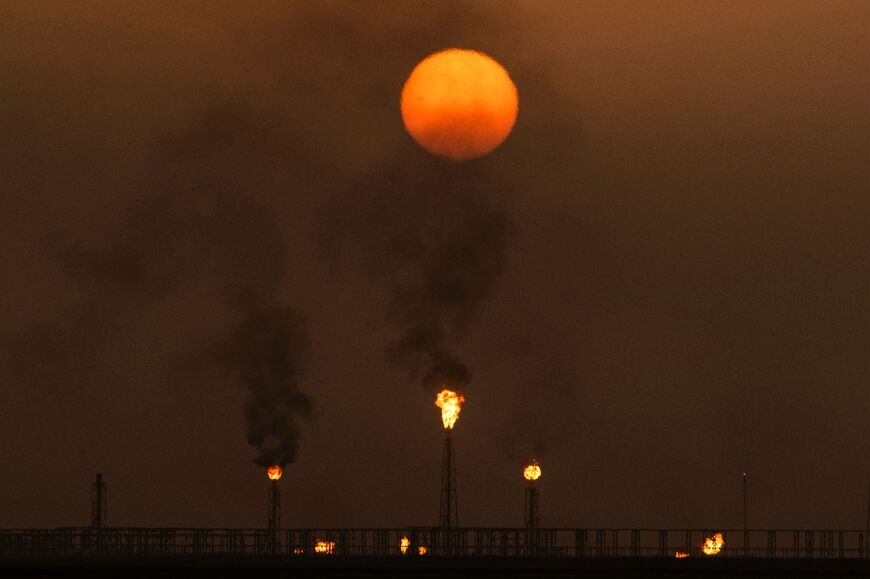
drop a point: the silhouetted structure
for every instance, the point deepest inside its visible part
(98, 502)
(274, 522)
(448, 515)
(532, 502)
(819, 545)
(745, 527)
(530, 517)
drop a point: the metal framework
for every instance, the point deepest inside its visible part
(448, 517)
(464, 542)
(98, 502)
(273, 524)
(530, 519)
(531, 503)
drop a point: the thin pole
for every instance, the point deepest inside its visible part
(98, 502)
(745, 528)
(867, 527)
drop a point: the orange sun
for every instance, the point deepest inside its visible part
(459, 104)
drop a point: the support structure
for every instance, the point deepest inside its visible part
(448, 515)
(274, 522)
(867, 530)
(812, 552)
(98, 502)
(745, 528)
(530, 518)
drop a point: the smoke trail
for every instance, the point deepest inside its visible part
(267, 354)
(200, 223)
(429, 235)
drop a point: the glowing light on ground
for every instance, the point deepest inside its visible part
(324, 547)
(713, 545)
(405, 544)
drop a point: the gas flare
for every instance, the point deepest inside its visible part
(274, 472)
(532, 471)
(713, 545)
(450, 403)
(680, 555)
(405, 544)
(324, 547)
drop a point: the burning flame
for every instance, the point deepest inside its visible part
(532, 472)
(450, 403)
(713, 545)
(680, 555)
(324, 547)
(274, 472)
(298, 550)
(405, 543)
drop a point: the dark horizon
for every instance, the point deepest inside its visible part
(660, 280)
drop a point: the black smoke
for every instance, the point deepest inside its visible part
(267, 355)
(200, 222)
(431, 232)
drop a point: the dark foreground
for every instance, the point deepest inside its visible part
(434, 567)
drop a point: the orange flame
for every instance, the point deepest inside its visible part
(298, 550)
(532, 471)
(680, 555)
(450, 403)
(274, 472)
(405, 543)
(324, 547)
(713, 545)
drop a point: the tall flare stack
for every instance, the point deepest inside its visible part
(274, 473)
(531, 506)
(450, 403)
(531, 473)
(448, 513)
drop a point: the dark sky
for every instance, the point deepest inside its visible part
(665, 270)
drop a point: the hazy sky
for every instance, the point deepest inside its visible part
(666, 266)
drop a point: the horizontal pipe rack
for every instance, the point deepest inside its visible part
(64, 542)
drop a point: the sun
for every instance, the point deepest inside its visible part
(459, 104)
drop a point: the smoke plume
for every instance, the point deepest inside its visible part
(267, 355)
(429, 233)
(200, 223)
